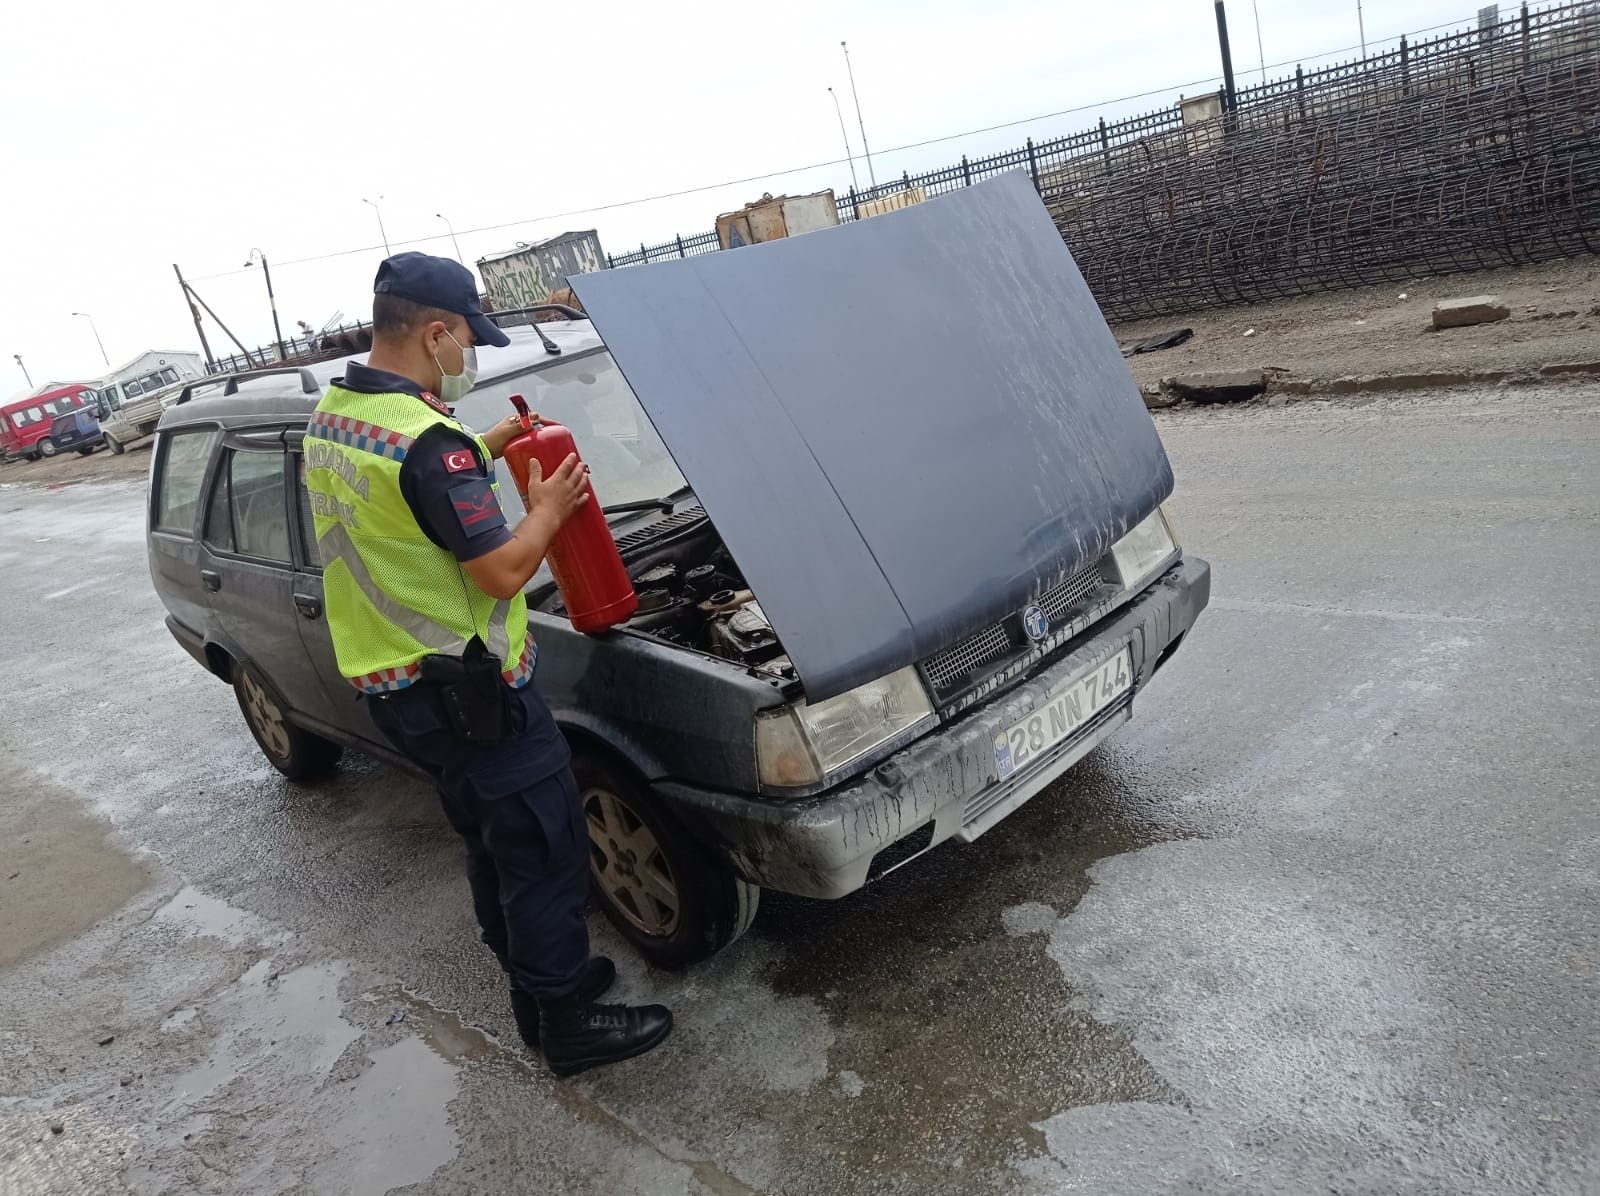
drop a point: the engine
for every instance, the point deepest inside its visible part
(692, 594)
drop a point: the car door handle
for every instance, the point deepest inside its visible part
(211, 579)
(310, 607)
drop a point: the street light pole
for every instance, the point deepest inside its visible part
(381, 233)
(453, 240)
(1361, 22)
(1232, 95)
(1260, 46)
(272, 300)
(866, 151)
(17, 357)
(97, 339)
(839, 112)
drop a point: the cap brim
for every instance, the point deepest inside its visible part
(485, 333)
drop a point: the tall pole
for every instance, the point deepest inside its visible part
(97, 339)
(1255, 7)
(17, 357)
(272, 300)
(195, 295)
(379, 211)
(1231, 93)
(453, 240)
(1361, 21)
(866, 151)
(839, 112)
(211, 362)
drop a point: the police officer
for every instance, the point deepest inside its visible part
(423, 580)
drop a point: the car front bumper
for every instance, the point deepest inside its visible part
(946, 784)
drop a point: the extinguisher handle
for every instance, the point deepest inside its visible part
(521, 404)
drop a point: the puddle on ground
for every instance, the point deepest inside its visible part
(389, 1126)
(60, 870)
(197, 913)
(441, 1029)
(292, 1090)
(293, 1019)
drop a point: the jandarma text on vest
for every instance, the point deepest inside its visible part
(322, 455)
(326, 504)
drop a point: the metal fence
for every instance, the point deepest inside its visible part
(1472, 149)
(299, 350)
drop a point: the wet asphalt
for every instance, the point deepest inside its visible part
(1322, 918)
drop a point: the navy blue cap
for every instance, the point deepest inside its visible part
(438, 282)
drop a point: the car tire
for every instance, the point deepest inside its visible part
(668, 895)
(47, 447)
(297, 753)
(114, 445)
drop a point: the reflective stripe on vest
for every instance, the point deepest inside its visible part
(392, 595)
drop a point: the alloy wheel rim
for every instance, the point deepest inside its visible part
(629, 865)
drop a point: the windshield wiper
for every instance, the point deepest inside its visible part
(665, 503)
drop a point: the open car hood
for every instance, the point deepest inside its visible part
(904, 428)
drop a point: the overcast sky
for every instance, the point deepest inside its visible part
(139, 135)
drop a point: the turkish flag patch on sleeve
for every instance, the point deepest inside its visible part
(459, 459)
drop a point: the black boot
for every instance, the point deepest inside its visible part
(579, 1035)
(602, 974)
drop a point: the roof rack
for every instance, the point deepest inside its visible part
(308, 381)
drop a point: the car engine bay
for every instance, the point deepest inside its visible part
(692, 594)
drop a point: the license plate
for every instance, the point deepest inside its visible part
(1063, 715)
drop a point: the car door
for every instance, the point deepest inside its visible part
(247, 547)
(348, 711)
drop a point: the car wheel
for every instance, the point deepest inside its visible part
(114, 445)
(86, 450)
(47, 447)
(674, 900)
(293, 751)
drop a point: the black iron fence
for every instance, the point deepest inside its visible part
(300, 350)
(1475, 148)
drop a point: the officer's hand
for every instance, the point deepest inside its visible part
(560, 495)
(502, 434)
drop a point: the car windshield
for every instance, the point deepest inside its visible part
(589, 396)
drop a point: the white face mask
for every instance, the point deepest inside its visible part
(453, 387)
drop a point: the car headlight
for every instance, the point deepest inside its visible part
(1144, 550)
(804, 743)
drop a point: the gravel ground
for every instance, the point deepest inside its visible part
(1555, 318)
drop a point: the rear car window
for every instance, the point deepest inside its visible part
(180, 472)
(259, 505)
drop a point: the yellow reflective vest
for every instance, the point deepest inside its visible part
(392, 595)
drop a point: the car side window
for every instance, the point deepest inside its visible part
(308, 525)
(259, 505)
(219, 515)
(180, 472)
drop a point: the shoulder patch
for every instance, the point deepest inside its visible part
(476, 507)
(436, 403)
(457, 460)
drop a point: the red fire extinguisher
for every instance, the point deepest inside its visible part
(583, 556)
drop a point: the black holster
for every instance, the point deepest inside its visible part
(473, 692)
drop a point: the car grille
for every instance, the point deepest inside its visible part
(1067, 597)
(948, 669)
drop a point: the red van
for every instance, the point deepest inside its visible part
(25, 425)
